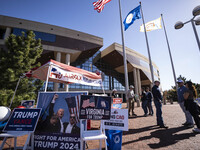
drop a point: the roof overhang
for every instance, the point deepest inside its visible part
(113, 55)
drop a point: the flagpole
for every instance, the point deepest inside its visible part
(170, 53)
(47, 79)
(150, 62)
(124, 52)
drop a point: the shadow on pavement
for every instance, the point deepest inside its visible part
(166, 136)
(134, 131)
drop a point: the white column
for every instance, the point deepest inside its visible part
(67, 61)
(8, 32)
(139, 85)
(58, 58)
(139, 81)
(135, 81)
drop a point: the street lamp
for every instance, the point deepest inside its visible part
(195, 12)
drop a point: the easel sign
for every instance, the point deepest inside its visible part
(59, 124)
(23, 120)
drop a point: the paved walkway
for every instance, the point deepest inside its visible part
(143, 133)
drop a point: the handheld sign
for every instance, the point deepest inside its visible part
(23, 120)
(117, 103)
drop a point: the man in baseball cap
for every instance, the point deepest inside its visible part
(181, 90)
(130, 96)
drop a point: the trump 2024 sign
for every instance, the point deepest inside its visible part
(23, 120)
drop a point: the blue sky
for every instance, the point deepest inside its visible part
(80, 15)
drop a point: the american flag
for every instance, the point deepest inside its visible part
(88, 102)
(74, 105)
(99, 5)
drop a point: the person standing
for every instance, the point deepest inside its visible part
(114, 93)
(149, 101)
(190, 105)
(181, 90)
(144, 101)
(158, 103)
(130, 97)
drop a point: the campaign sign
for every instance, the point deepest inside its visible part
(59, 124)
(56, 141)
(117, 103)
(118, 120)
(95, 107)
(23, 120)
(28, 103)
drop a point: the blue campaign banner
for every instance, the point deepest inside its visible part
(23, 120)
(59, 124)
(95, 107)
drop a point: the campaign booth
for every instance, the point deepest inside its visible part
(63, 120)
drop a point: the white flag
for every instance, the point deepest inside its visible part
(152, 25)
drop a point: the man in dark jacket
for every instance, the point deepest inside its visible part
(71, 127)
(158, 103)
(144, 101)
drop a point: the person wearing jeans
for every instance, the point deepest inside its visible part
(149, 101)
(181, 90)
(158, 103)
(144, 102)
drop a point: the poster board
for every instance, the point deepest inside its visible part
(59, 125)
(118, 120)
(95, 107)
(23, 120)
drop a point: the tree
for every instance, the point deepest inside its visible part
(172, 94)
(19, 56)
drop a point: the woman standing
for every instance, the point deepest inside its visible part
(114, 93)
(190, 105)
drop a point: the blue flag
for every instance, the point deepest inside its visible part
(131, 17)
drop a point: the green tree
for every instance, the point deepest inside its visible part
(172, 94)
(19, 56)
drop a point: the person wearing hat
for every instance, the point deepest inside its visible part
(114, 93)
(181, 90)
(158, 103)
(130, 96)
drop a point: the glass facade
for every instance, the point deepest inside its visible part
(111, 78)
(38, 35)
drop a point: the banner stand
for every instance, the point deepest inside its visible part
(16, 89)
(47, 79)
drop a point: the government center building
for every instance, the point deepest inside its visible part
(84, 51)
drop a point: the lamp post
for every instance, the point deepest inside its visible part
(195, 12)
